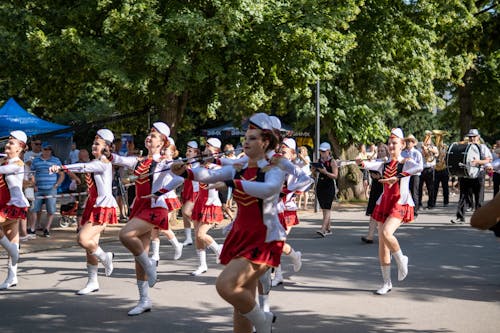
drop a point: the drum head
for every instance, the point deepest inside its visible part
(473, 153)
(459, 157)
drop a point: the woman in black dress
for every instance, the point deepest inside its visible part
(325, 188)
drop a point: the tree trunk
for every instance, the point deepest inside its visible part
(465, 102)
(172, 111)
(350, 178)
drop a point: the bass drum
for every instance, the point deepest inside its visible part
(459, 157)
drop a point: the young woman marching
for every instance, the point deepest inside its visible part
(288, 207)
(13, 203)
(173, 205)
(207, 210)
(147, 211)
(189, 192)
(255, 241)
(394, 206)
(100, 208)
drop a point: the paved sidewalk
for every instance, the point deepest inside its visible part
(453, 284)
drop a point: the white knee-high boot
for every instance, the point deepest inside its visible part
(149, 266)
(278, 277)
(202, 256)
(386, 276)
(106, 258)
(11, 279)
(92, 283)
(155, 248)
(145, 303)
(262, 321)
(11, 248)
(177, 247)
(402, 262)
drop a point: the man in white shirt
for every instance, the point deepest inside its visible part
(73, 154)
(411, 152)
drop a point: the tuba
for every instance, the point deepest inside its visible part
(442, 149)
(426, 143)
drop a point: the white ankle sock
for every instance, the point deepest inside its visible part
(155, 248)
(264, 302)
(398, 255)
(202, 256)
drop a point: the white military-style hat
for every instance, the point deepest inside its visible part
(290, 143)
(275, 122)
(214, 142)
(192, 144)
(19, 135)
(324, 146)
(261, 120)
(397, 132)
(106, 135)
(162, 128)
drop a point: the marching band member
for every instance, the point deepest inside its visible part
(411, 152)
(255, 241)
(473, 186)
(173, 205)
(429, 154)
(394, 206)
(441, 176)
(13, 203)
(100, 208)
(189, 192)
(288, 207)
(207, 210)
(149, 209)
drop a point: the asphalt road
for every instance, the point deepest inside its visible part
(453, 284)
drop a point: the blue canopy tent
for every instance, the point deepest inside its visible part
(14, 117)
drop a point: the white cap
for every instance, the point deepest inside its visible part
(324, 146)
(193, 144)
(106, 135)
(162, 128)
(19, 135)
(290, 143)
(397, 132)
(275, 122)
(172, 141)
(261, 120)
(473, 132)
(214, 142)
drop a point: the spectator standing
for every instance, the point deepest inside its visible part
(73, 154)
(429, 155)
(29, 190)
(496, 169)
(46, 185)
(325, 188)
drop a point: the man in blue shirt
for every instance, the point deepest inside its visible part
(46, 184)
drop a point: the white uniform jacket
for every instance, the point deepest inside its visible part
(14, 175)
(411, 167)
(103, 178)
(268, 191)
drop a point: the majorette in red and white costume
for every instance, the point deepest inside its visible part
(152, 177)
(394, 206)
(190, 191)
(153, 180)
(100, 208)
(13, 203)
(395, 200)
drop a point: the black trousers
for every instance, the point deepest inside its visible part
(465, 185)
(414, 184)
(427, 178)
(496, 183)
(441, 178)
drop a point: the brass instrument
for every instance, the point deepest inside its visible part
(428, 155)
(442, 149)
